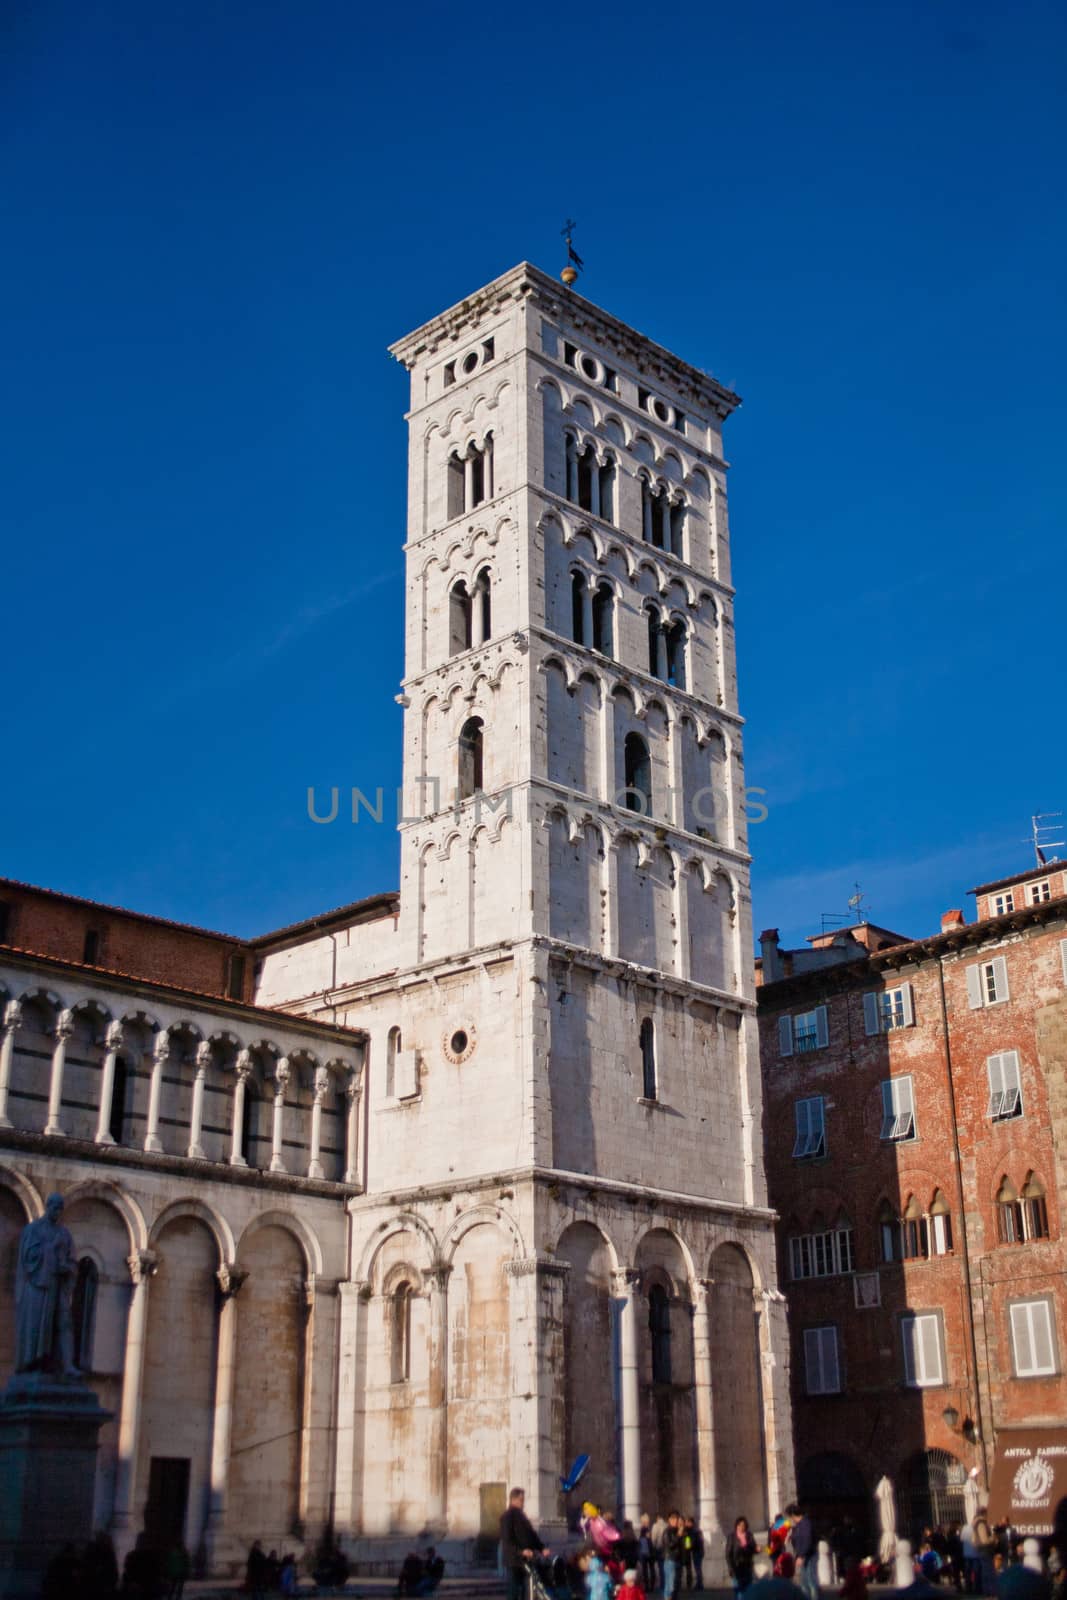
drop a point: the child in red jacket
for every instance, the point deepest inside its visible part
(629, 1588)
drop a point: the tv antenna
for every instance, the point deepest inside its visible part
(1041, 824)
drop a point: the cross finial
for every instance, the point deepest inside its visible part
(574, 261)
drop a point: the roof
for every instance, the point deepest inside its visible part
(385, 904)
(202, 1000)
(1021, 877)
(118, 911)
(519, 280)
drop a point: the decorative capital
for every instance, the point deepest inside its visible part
(12, 1016)
(161, 1048)
(142, 1265)
(230, 1279)
(353, 1084)
(113, 1036)
(437, 1276)
(204, 1056)
(282, 1073)
(625, 1280)
(64, 1025)
(543, 1266)
(322, 1084)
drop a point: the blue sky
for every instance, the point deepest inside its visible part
(217, 217)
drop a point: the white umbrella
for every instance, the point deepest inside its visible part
(887, 1519)
(970, 1497)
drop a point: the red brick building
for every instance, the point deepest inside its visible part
(915, 1097)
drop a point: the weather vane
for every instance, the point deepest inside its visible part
(574, 260)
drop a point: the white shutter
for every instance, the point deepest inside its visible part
(1000, 977)
(830, 1375)
(406, 1075)
(822, 1032)
(818, 1127)
(975, 994)
(995, 1068)
(800, 1113)
(1009, 1063)
(1022, 1339)
(1041, 1333)
(909, 1008)
(812, 1362)
(785, 1036)
(872, 1018)
(1063, 958)
(931, 1350)
(820, 1361)
(907, 1334)
(888, 1110)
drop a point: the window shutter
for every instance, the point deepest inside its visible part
(822, 1032)
(800, 1114)
(830, 1376)
(406, 1075)
(907, 1334)
(931, 1349)
(1041, 1333)
(1063, 958)
(1000, 977)
(995, 1067)
(975, 997)
(785, 1036)
(816, 1143)
(909, 1008)
(1022, 1340)
(871, 1018)
(812, 1365)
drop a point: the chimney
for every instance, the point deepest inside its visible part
(772, 966)
(950, 920)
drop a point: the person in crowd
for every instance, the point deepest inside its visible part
(432, 1573)
(802, 1544)
(646, 1554)
(740, 1554)
(673, 1551)
(519, 1543)
(287, 1575)
(256, 1571)
(598, 1584)
(659, 1528)
(630, 1588)
(626, 1549)
(100, 1568)
(695, 1551)
(175, 1570)
(411, 1573)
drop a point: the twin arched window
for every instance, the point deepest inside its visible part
(1021, 1217)
(470, 613)
(666, 647)
(593, 615)
(470, 477)
(662, 521)
(590, 483)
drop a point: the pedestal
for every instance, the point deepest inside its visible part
(48, 1443)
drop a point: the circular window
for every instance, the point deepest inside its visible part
(659, 408)
(458, 1043)
(590, 367)
(470, 361)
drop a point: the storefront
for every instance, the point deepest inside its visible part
(1029, 1487)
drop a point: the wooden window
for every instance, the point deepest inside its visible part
(1005, 1089)
(1033, 1340)
(921, 1339)
(822, 1370)
(898, 1110)
(810, 1139)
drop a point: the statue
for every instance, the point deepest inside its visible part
(44, 1285)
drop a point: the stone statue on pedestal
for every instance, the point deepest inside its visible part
(44, 1285)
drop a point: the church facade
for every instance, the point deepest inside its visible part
(489, 1149)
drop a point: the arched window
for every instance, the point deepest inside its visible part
(675, 640)
(457, 476)
(659, 1326)
(607, 489)
(1035, 1211)
(470, 477)
(648, 1059)
(578, 587)
(1010, 1226)
(120, 1089)
(483, 602)
(571, 445)
(470, 758)
(890, 1240)
(913, 1234)
(638, 772)
(393, 1046)
(83, 1312)
(586, 474)
(603, 619)
(400, 1340)
(677, 524)
(459, 618)
(940, 1226)
(250, 1127)
(655, 516)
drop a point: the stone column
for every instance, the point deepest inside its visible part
(661, 650)
(680, 897)
(318, 1422)
(468, 480)
(537, 1392)
(160, 1057)
(625, 1286)
(142, 1265)
(677, 814)
(607, 750)
(112, 1046)
(354, 1098)
(230, 1279)
(609, 882)
(322, 1084)
(12, 1023)
(196, 1117)
(242, 1073)
(587, 616)
(64, 1029)
(477, 614)
(437, 1400)
(281, 1083)
(594, 483)
(772, 1335)
(705, 1403)
(351, 1404)
(646, 511)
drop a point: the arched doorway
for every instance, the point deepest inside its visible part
(832, 1488)
(931, 1491)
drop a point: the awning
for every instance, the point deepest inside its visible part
(1029, 1479)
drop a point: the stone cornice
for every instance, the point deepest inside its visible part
(665, 982)
(526, 281)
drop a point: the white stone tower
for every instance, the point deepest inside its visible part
(564, 1244)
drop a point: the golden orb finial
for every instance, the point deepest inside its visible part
(574, 260)
(569, 276)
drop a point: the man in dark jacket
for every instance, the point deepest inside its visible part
(519, 1543)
